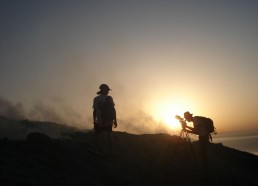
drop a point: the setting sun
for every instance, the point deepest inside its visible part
(165, 111)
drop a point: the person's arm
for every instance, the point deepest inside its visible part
(94, 113)
(191, 130)
(94, 116)
(115, 121)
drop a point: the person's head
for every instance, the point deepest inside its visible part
(104, 89)
(188, 116)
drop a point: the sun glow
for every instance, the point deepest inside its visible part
(165, 112)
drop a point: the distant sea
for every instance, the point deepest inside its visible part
(246, 141)
(243, 141)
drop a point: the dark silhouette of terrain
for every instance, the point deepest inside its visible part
(147, 159)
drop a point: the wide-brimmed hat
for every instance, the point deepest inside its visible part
(103, 88)
(187, 114)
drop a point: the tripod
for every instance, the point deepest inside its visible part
(185, 136)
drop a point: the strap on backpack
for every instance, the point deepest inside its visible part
(210, 136)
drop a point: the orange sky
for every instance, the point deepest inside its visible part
(160, 59)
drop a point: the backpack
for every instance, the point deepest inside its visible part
(209, 125)
(107, 109)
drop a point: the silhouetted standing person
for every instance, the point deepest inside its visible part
(104, 116)
(199, 129)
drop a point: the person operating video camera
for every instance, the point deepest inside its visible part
(198, 129)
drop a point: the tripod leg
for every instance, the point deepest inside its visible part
(176, 145)
(191, 145)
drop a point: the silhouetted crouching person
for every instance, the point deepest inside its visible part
(199, 129)
(104, 117)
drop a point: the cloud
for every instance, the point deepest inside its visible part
(44, 112)
(11, 110)
(141, 123)
(56, 111)
(59, 111)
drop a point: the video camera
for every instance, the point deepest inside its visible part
(181, 120)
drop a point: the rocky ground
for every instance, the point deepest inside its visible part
(147, 159)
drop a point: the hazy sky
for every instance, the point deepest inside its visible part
(160, 58)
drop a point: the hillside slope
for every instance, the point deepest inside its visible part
(148, 159)
(136, 160)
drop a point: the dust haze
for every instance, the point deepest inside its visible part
(134, 121)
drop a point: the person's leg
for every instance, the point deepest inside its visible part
(109, 138)
(204, 140)
(97, 131)
(110, 143)
(107, 144)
